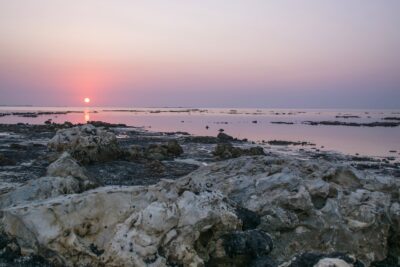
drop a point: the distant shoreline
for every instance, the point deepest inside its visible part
(199, 107)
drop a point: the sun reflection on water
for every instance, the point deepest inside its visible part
(86, 113)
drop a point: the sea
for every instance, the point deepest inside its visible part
(258, 125)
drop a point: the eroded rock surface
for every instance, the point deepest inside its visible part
(86, 143)
(309, 205)
(122, 226)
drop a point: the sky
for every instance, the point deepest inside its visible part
(209, 53)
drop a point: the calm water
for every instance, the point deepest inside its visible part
(377, 141)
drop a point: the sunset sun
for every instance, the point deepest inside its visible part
(86, 100)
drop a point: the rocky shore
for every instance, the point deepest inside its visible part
(110, 195)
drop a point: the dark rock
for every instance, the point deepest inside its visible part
(166, 151)
(264, 261)
(251, 243)
(135, 153)
(250, 219)
(25, 114)
(156, 152)
(287, 143)
(95, 250)
(282, 122)
(388, 262)
(10, 255)
(254, 151)
(67, 124)
(8, 249)
(367, 166)
(227, 151)
(4, 161)
(347, 117)
(175, 133)
(163, 151)
(18, 146)
(392, 118)
(143, 172)
(174, 148)
(106, 124)
(224, 137)
(353, 124)
(363, 159)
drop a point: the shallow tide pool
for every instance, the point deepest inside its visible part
(253, 124)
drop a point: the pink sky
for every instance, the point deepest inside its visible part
(279, 53)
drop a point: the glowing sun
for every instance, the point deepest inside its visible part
(86, 100)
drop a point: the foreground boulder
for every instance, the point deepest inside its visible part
(223, 137)
(123, 226)
(310, 205)
(86, 143)
(249, 211)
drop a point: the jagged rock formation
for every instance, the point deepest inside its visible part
(86, 143)
(121, 226)
(310, 205)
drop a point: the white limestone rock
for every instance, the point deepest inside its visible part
(86, 143)
(120, 226)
